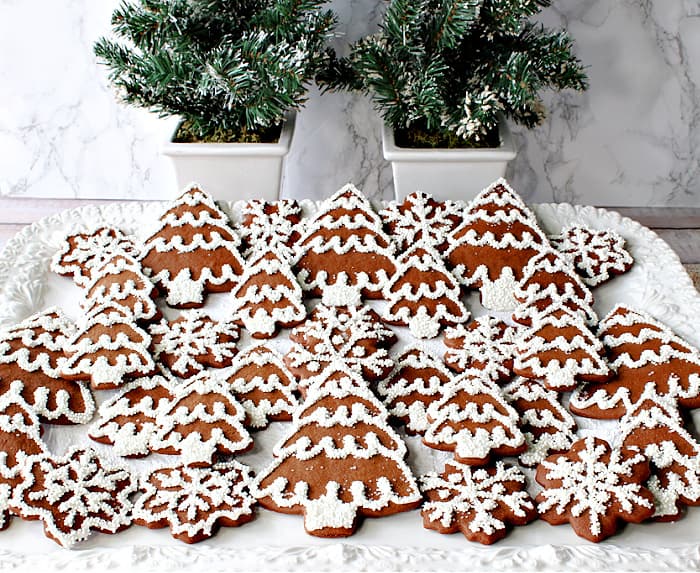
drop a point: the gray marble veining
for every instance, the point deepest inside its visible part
(632, 139)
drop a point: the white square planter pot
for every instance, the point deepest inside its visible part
(446, 173)
(233, 171)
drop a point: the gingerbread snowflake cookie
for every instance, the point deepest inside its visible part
(598, 255)
(417, 381)
(270, 225)
(193, 251)
(194, 341)
(654, 425)
(493, 244)
(264, 386)
(74, 495)
(487, 344)
(482, 503)
(344, 254)
(594, 488)
(81, 253)
(421, 218)
(339, 461)
(33, 353)
(423, 294)
(195, 502)
(353, 335)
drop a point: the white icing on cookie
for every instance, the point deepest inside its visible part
(270, 226)
(418, 379)
(481, 500)
(192, 341)
(597, 254)
(325, 257)
(349, 434)
(473, 419)
(202, 421)
(423, 294)
(268, 296)
(107, 351)
(248, 381)
(548, 428)
(81, 495)
(186, 276)
(193, 502)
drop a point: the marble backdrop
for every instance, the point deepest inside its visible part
(633, 139)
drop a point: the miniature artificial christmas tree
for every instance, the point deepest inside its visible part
(344, 254)
(193, 251)
(230, 70)
(441, 73)
(490, 249)
(339, 461)
(641, 350)
(423, 294)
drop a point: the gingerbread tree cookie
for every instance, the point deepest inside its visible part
(560, 350)
(107, 351)
(81, 253)
(203, 421)
(128, 420)
(352, 335)
(597, 254)
(20, 437)
(343, 253)
(339, 461)
(487, 344)
(194, 341)
(195, 502)
(417, 380)
(641, 350)
(473, 420)
(270, 225)
(421, 218)
(594, 488)
(193, 251)
(263, 385)
(268, 296)
(74, 495)
(495, 241)
(482, 503)
(120, 281)
(654, 425)
(548, 284)
(423, 294)
(33, 353)
(547, 426)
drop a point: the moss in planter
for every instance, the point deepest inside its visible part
(187, 134)
(419, 138)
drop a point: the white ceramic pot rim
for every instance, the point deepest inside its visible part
(280, 148)
(393, 152)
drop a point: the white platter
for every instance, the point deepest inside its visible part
(657, 284)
